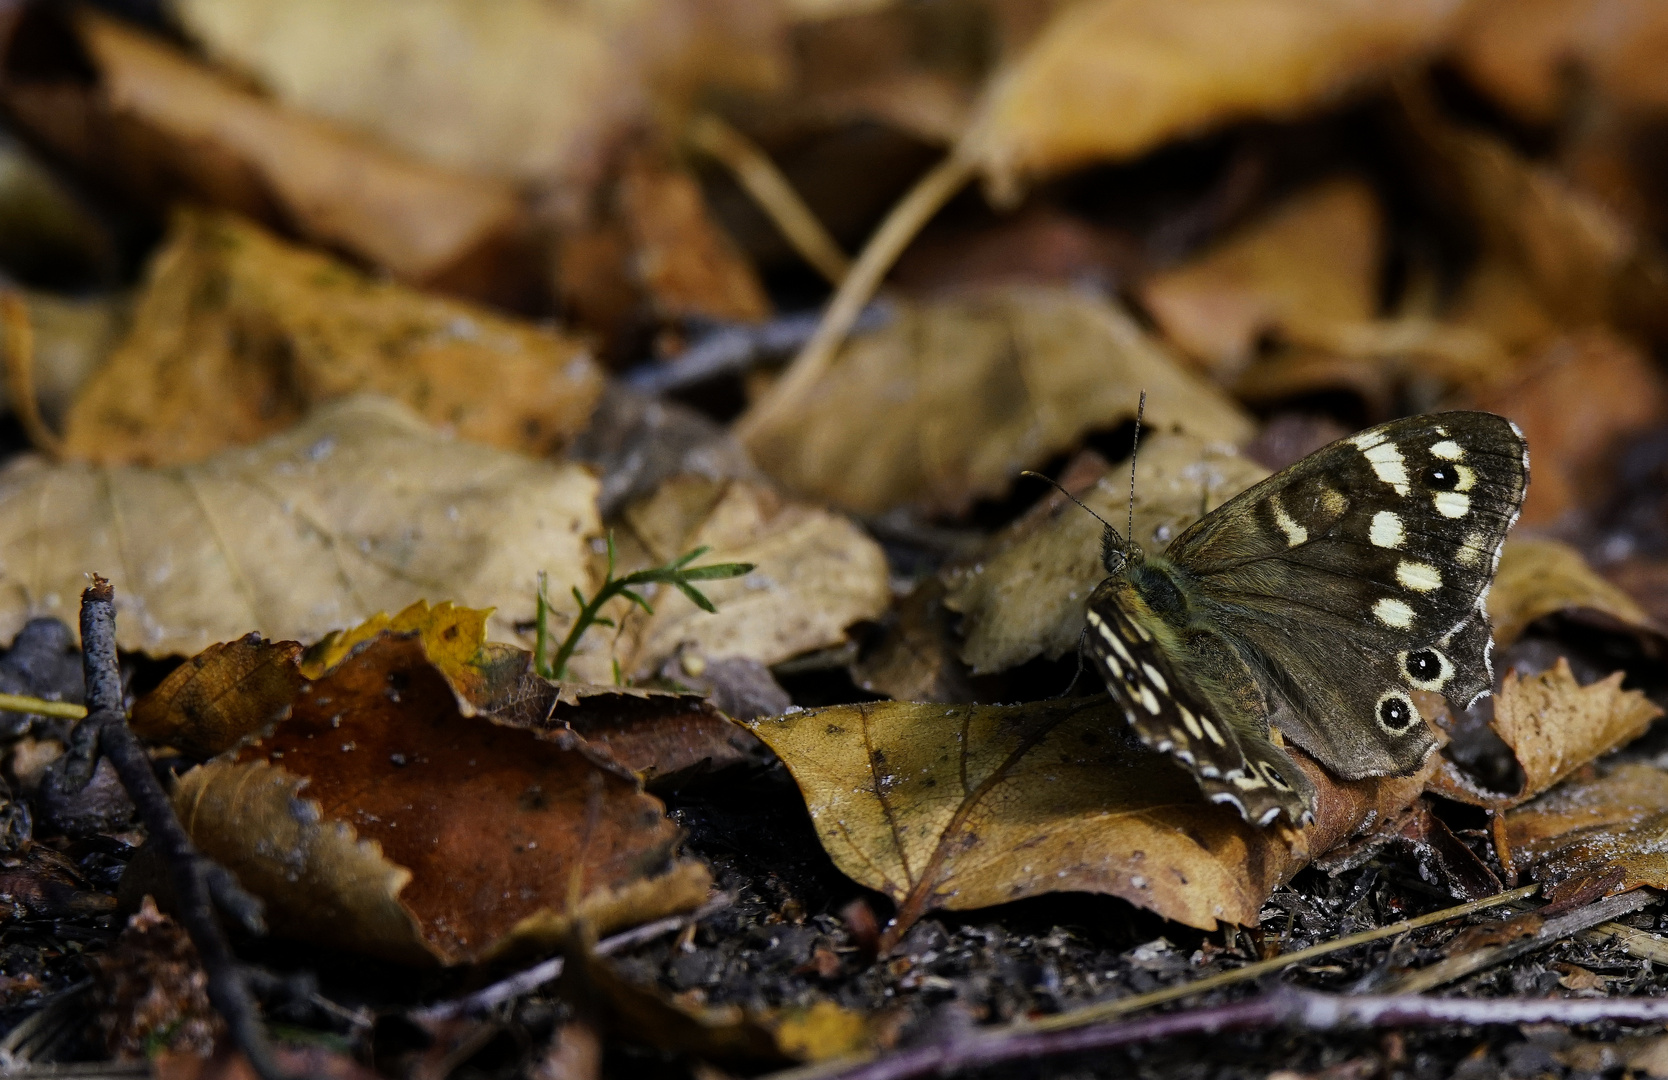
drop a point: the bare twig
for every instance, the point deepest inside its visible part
(20, 375)
(1281, 1008)
(735, 348)
(761, 179)
(1553, 930)
(906, 219)
(200, 885)
(65, 710)
(1633, 941)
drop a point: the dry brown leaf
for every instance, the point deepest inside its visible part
(523, 89)
(964, 806)
(1531, 55)
(951, 399)
(158, 124)
(1025, 595)
(1176, 69)
(221, 696)
(236, 333)
(1307, 267)
(1554, 726)
(814, 574)
(72, 336)
(379, 818)
(1537, 578)
(360, 509)
(1576, 402)
(1605, 823)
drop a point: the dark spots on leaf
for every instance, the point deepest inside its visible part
(533, 798)
(833, 729)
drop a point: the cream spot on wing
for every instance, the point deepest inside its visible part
(1418, 576)
(1333, 502)
(1113, 665)
(1447, 450)
(1471, 552)
(1393, 613)
(1467, 478)
(1157, 679)
(1366, 440)
(1387, 531)
(1229, 798)
(1211, 732)
(1388, 465)
(1248, 783)
(1269, 815)
(1452, 504)
(1148, 700)
(1295, 533)
(1191, 721)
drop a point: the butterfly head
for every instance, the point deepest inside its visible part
(1116, 553)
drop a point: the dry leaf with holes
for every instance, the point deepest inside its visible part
(221, 696)
(237, 333)
(1538, 577)
(1026, 593)
(523, 89)
(151, 121)
(362, 508)
(1306, 268)
(1554, 726)
(1599, 824)
(956, 396)
(964, 806)
(378, 818)
(814, 574)
(1179, 69)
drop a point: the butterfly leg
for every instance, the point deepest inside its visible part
(1082, 647)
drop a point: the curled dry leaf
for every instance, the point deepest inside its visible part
(518, 88)
(956, 396)
(379, 818)
(957, 807)
(1177, 69)
(1538, 577)
(1554, 726)
(1026, 594)
(157, 124)
(221, 696)
(814, 574)
(1308, 267)
(359, 509)
(1600, 824)
(237, 333)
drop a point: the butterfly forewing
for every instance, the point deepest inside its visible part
(1358, 575)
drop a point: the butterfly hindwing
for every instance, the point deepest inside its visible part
(1357, 576)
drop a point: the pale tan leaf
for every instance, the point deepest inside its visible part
(1111, 79)
(1610, 825)
(1538, 577)
(1026, 593)
(360, 509)
(950, 399)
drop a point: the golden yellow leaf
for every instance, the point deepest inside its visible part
(1554, 726)
(1540, 577)
(950, 399)
(236, 333)
(362, 508)
(1026, 592)
(964, 806)
(452, 636)
(221, 696)
(1111, 79)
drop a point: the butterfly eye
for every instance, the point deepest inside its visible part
(1442, 476)
(1395, 712)
(1423, 666)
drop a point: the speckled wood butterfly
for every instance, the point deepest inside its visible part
(1315, 603)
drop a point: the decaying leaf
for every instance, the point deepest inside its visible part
(1026, 593)
(954, 397)
(1309, 267)
(158, 124)
(1576, 401)
(453, 637)
(964, 806)
(1605, 823)
(379, 818)
(1177, 69)
(814, 574)
(236, 333)
(1539, 577)
(522, 89)
(362, 508)
(221, 696)
(1554, 726)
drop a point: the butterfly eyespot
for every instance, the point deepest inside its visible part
(1395, 712)
(1272, 775)
(1443, 476)
(1423, 665)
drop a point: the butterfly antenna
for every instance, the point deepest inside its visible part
(1135, 447)
(1069, 495)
